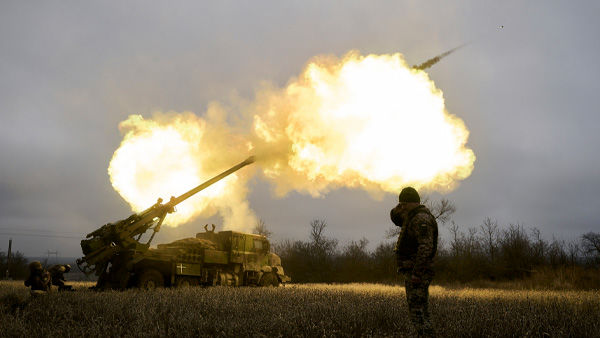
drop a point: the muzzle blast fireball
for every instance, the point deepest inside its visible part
(368, 122)
(121, 239)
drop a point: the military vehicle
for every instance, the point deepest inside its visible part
(211, 258)
(117, 255)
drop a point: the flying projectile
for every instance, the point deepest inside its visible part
(436, 59)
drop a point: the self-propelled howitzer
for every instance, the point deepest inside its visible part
(110, 251)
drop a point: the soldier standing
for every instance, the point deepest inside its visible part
(415, 249)
(58, 278)
(39, 279)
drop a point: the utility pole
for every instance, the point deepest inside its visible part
(55, 253)
(8, 257)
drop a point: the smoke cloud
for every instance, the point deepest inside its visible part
(367, 122)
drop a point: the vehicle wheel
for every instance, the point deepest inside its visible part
(269, 279)
(151, 279)
(185, 282)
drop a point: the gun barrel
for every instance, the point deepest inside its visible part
(183, 197)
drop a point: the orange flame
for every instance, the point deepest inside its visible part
(368, 122)
(168, 156)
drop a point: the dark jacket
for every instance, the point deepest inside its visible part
(417, 242)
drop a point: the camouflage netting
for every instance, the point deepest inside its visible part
(187, 243)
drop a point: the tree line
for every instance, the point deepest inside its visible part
(18, 265)
(487, 252)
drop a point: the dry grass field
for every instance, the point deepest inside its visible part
(295, 310)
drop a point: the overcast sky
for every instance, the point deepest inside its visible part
(72, 70)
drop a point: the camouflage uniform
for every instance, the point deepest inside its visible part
(58, 278)
(415, 249)
(39, 279)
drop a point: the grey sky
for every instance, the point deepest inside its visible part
(72, 70)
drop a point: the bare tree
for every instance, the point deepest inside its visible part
(318, 239)
(357, 250)
(574, 251)
(321, 251)
(261, 229)
(515, 247)
(556, 252)
(18, 265)
(490, 233)
(539, 247)
(442, 210)
(455, 243)
(471, 243)
(316, 231)
(591, 243)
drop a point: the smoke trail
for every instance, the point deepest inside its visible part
(436, 59)
(429, 63)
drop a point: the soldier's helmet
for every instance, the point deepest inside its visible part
(409, 195)
(35, 266)
(67, 268)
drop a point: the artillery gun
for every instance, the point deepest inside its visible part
(116, 254)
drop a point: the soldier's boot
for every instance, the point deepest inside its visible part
(421, 322)
(416, 316)
(428, 330)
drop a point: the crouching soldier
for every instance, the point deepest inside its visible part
(39, 279)
(415, 249)
(58, 278)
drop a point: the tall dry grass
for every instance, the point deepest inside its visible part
(295, 310)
